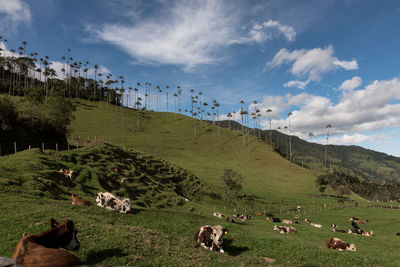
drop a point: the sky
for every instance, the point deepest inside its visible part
(331, 62)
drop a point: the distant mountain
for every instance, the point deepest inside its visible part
(365, 163)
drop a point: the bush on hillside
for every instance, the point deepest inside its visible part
(8, 114)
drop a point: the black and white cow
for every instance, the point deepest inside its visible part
(111, 202)
(211, 237)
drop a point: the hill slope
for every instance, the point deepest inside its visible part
(368, 164)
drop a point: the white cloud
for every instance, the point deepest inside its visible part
(370, 109)
(187, 33)
(350, 85)
(298, 84)
(311, 63)
(13, 12)
(287, 31)
(352, 139)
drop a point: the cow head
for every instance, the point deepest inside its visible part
(217, 234)
(66, 234)
(351, 247)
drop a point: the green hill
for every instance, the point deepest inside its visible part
(368, 164)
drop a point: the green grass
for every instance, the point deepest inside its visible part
(167, 163)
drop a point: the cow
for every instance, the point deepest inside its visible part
(67, 174)
(296, 222)
(297, 216)
(111, 202)
(43, 249)
(274, 219)
(351, 219)
(230, 220)
(336, 243)
(307, 220)
(368, 233)
(245, 217)
(316, 225)
(211, 237)
(80, 201)
(257, 213)
(334, 229)
(235, 215)
(284, 229)
(218, 214)
(287, 221)
(298, 208)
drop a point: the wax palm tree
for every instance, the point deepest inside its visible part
(191, 97)
(242, 116)
(286, 139)
(175, 95)
(137, 104)
(229, 115)
(158, 95)
(290, 114)
(96, 67)
(270, 127)
(311, 135)
(326, 145)
(166, 89)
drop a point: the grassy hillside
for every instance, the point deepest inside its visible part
(207, 154)
(164, 162)
(33, 191)
(365, 163)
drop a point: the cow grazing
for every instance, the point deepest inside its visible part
(336, 243)
(80, 201)
(287, 221)
(284, 229)
(111, 202)
(218, 214)
(274, 219)
(67, 174)
(43, 249)
(211, 237)
(316, 225)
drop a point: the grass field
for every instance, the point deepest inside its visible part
(166, 164)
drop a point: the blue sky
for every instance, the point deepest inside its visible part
(327, 62)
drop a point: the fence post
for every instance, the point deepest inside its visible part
(29, 147)
(15, 147)
(57, 147)
(42, 146)
(68, 146)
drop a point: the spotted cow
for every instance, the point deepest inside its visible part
(336, 243)
(111, 202)
(211, 237)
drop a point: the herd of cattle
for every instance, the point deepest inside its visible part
(43, 249)
(206, 240)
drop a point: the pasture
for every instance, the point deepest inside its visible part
(167, 163)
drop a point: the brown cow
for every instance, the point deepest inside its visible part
(336, 243)
(80, 201)
(43, 249)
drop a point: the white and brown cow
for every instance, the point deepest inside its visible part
(43, 249)
(316, 225)
(67, 174)
(218, 214)
(284, 229)
(287, 221)
(336, 243)
(111, 202)
(335, 229)
(211, 237)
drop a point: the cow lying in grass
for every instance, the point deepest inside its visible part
(80, 201)
(287, 221)
(316, 225)
(43, 249)
(335, 229)
(67, 174)
(274, 219)
(211, 237)
(336, 243)
(111, 202)
(218, 214)
(284, 229)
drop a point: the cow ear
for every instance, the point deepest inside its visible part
(69, 225)
(53, 223)
(226, 231)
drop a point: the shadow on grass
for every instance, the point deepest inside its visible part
(233, 250)
(97, 256)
